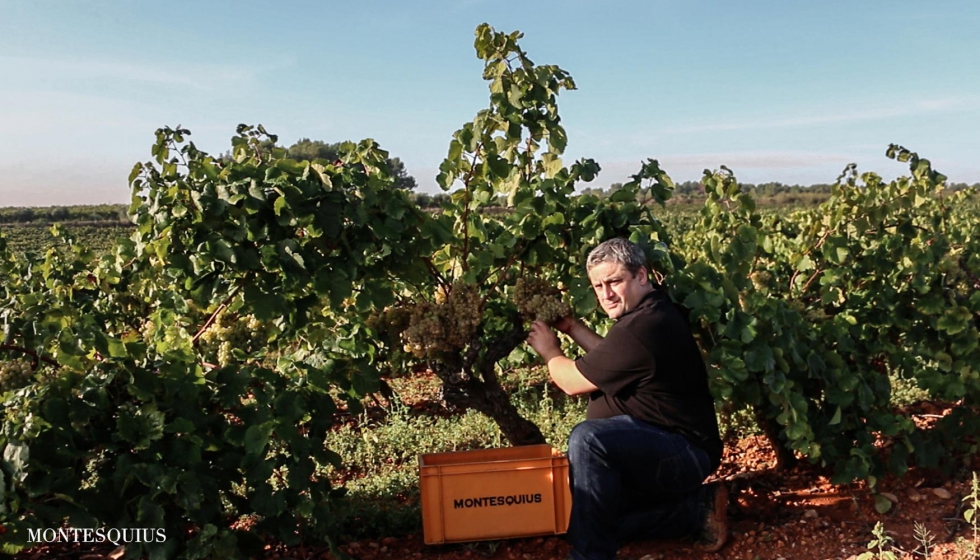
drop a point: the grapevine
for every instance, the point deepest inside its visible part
(288, 250)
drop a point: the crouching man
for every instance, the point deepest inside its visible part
(650, 437)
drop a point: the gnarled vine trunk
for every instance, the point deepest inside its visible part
(472, 382)
(785, 459)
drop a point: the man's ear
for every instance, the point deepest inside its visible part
(643, 277)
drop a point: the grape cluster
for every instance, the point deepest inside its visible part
(425, 336)
(761, 280)
(148, 330)
(537, 300)
(445, 325)
(390, 323)
(15, 374)
(228, 332)
(465, 311)
(950, 266)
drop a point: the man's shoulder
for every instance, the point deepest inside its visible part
(655, 306)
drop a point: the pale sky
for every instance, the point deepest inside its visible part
(776, 90)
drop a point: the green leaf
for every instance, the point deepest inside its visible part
(623, 195)
(149, 514)
(882, 504)
(117, 349)
(557, 139)
(554, 219)
(257, 437)
(804, 264)
(955, 321)
(140, 427)
(552, 164)
(837, 417)
(265, 306)
(498, 166)
(224, 252)
(321, 377)
(760, 358)
(17, 454)
(267, 502)
(279, 205)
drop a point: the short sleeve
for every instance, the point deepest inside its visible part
(617, 363)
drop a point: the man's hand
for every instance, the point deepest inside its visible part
(562, 370)
(544, 341)
(581, 334)
(565, 324)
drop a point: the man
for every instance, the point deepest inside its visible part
(650, 437)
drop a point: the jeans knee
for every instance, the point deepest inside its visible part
(581, 441)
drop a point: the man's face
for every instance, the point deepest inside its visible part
(617, 290)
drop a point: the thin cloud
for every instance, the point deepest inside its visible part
(759, 159)
(43, 112)
(200, 77)
(921, 107)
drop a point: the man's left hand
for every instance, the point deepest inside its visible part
(544, 341)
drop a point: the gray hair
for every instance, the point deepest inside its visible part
(620, 251)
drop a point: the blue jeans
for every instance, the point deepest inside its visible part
(632, 480)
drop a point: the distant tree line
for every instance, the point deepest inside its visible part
(53, 214)
(774, 193)
(308, 150)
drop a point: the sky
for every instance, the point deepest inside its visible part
(775, 90)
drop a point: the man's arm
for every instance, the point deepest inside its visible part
(563, 371)
(581, 334)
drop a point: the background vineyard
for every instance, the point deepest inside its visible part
(101, 238)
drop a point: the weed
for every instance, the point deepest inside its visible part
(736, 424)
(926, 539)
(485, 549)
(880, 547)
(972, 512)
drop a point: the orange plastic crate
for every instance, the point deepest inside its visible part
(494, 494)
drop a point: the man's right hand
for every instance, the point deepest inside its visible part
(581, 334)
(565, 324)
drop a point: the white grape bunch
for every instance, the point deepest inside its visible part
(761, 280)
(537, 300)
(148, 330)
(445, 325)
(228, 332)
(15, 374)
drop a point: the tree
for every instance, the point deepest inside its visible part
(305, 149)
